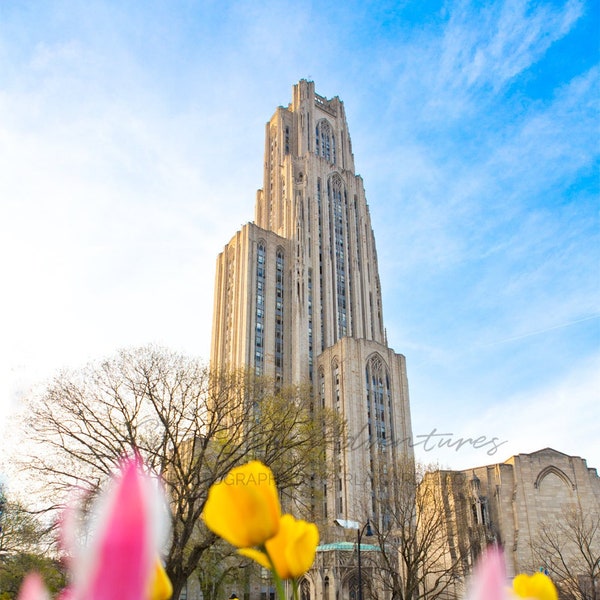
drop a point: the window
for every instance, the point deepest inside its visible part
(379, 398)
(310, 326)
(279, 272)
(335, 194)
(325, 141)
(259, 314)
(321, 300)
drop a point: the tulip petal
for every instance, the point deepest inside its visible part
(537, 586)
(244, 508)
(293, 549)
(260, 557)
(160, 586)
(33, 588)
(127, 528)
(123, 560)
(489, 577)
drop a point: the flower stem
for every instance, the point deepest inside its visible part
(278, 582)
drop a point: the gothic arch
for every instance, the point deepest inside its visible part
(349, 584)
(555, 471)
(325, 146)
(376, 361)
(306, 588)
(336, 182)
(379, 405)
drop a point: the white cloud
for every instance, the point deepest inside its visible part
(488, 47)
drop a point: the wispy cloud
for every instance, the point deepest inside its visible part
(487, 47)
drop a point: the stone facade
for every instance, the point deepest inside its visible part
(298, 299)
(519, 504)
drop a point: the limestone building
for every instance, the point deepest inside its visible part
(298, 296)
(543, 508)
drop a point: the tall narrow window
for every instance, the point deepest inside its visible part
(337, 448)
(322, 403)
(379, 400)
(378, 397)
(259, 331)
(279, 317)
(334, 190)
(310, 324)
(320, 209)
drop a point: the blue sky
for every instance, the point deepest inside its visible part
(131, 148)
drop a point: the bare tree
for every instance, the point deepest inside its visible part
(190, 425)
(568, 547)
(419, 530)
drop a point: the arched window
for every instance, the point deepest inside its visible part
(352, 583)
(325, 141)
(304, 590)
(379, 400)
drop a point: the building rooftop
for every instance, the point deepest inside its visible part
(347, 547)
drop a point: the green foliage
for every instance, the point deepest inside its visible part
(14, 568)
(221, 569)
(20, 530)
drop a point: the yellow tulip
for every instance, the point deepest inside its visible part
(536, 587)
(160, 588)
(292, 550)
(244, 508)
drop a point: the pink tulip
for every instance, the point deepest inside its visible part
(33, 588)
(489, 577)
(126, 532)
(489, 581)
(120, 561)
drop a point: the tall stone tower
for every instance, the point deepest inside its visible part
(298, 297)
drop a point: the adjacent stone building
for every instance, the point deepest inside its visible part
(543, 508)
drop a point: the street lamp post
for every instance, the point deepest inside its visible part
(368, 533)
(365, 530)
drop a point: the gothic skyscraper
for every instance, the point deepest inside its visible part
(298, 297)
